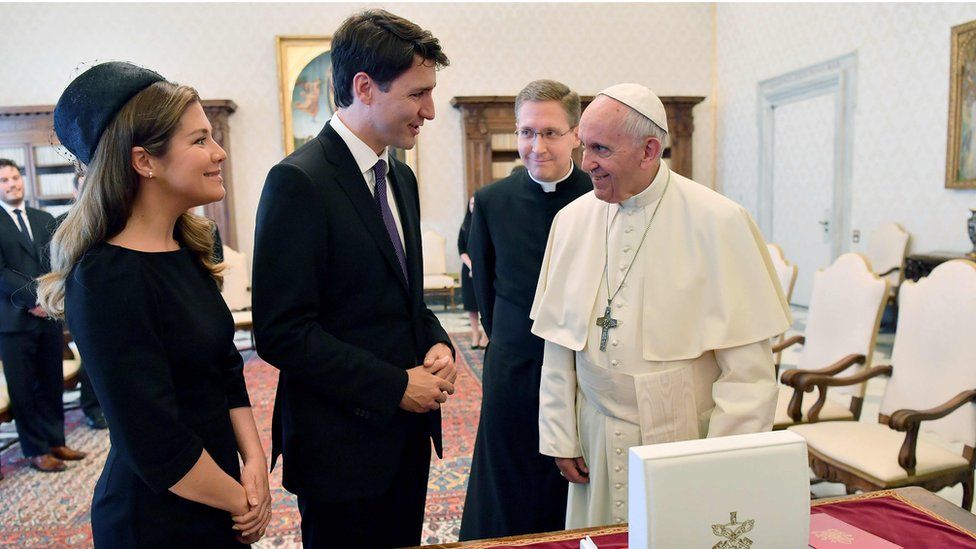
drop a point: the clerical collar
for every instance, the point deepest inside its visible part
(364, 156)
(652, 193)
(550, 186)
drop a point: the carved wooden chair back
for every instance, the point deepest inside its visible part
(845, 310)
(934, 357)
(886, 251)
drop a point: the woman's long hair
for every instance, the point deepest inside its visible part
(103, 208)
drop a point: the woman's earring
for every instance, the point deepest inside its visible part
(150, 174)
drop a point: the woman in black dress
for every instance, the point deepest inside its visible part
(134, 277)
(478, 339)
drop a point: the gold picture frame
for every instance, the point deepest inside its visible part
(306, 95)
(961, 153)
(305, 87)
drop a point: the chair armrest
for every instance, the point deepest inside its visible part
(889, 271)
(834, 369)
(806, 382)
(910, 422)
(787, 342)
(792, 377)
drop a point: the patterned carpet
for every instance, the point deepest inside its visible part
(52, 510)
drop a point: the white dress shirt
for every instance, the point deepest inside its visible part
(23, 212)
(365, 158)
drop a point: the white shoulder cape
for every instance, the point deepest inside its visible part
(710, 283)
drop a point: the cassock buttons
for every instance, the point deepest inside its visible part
(617, 469)
(626, 249)
(618, 486)
(614, 343)
(619, 520)
(618, 503)
(615, 362)
(629, 229)
(620, 304)
(618, 451)
(616, 433)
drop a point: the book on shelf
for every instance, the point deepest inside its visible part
(49, 155)
(504, 142)
(503, 169)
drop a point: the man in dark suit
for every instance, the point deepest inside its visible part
(30, 344)
(338, 298)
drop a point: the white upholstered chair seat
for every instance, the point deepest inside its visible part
(438, 281)
(4, 398)
(872, 449)
(832, 411)
(71, 367)
(242, 319)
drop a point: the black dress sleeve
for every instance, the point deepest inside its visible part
(232, 374)
(110, 310)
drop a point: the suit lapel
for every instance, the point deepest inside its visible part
(24, 242)
(350, 179)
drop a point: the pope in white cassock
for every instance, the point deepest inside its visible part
(656, 300)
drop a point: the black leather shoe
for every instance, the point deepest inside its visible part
(96, 421)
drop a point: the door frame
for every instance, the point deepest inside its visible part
(836, 76)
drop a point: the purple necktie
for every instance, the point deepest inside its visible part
(379, 170)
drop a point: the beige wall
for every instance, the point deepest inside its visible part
(902, 105)
(228, 51)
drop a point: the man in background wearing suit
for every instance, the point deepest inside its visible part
(338, 298)
(30, 344)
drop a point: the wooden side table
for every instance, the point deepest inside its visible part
(919, 265)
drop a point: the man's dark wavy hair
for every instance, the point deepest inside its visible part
(383, 46)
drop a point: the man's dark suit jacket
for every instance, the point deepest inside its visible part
(21, 261)
(333, 313)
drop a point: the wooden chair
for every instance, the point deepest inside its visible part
(845, 310)
(237, 291)
(886, 252)
(5, 415)
(436, 280)
(932, 385)
(786, 274)
(71, 362)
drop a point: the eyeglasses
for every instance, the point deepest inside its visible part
(549, 134)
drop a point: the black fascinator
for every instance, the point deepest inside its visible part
(91, 101)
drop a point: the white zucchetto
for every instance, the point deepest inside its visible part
(642, 100)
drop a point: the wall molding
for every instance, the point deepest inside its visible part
(837, 77)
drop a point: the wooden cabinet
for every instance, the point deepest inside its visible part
(488, 125)
(27, 137)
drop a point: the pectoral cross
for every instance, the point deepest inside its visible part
(606, 322)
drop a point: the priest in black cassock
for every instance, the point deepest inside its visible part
(513, 489)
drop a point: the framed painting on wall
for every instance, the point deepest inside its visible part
(306, 94)
(305, 87)
(961, 155)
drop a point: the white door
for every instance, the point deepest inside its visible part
(803, 187)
